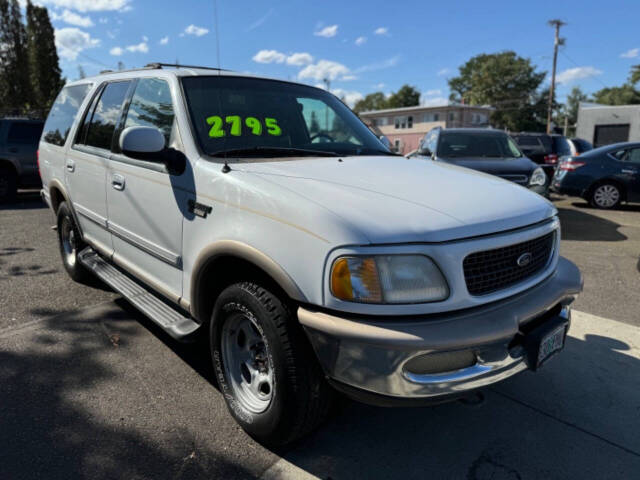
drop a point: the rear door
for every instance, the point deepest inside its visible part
(631, 173)
(87, 161)
(21, 145)
(147, 204)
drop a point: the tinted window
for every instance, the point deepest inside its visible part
(106, 115)
(63, 112)
(243, 113)
(633, 155)
(487, 145)
(525, 141)
(25, 133)
(151, 106)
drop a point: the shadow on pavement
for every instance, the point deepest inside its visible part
(583, 226)
(50, 429)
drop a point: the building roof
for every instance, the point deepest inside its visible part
(426, 108)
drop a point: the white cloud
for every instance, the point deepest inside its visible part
(380, 85)
(116, 51)
(388, 63)
(434, 101)
(141, 47)
(327, 32)
(67, 16)
(145, 38)
(443, 71)
(103, 20)
(299, 59)
(269, 56)
(323, 69)
(361, 41)
(260, 21)
(577, 73)
(433, 93)
(164, 40)
(633, 53)
(381, 31)
(347, 78)
(71, 41)
(90, 5)
(197, 31)
(349, 96)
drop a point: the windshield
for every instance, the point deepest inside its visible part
(477, 144)
(256, 117)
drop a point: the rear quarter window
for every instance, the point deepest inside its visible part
(63, 113)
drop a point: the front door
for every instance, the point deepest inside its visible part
(146, 202)
(87, 160)
(631, 172)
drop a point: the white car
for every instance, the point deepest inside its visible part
(266, 215)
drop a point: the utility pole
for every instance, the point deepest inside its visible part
(558, 41)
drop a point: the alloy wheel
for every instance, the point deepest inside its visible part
(606, 196)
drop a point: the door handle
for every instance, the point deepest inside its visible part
(71, 165)
(632, 172)
(117, 181)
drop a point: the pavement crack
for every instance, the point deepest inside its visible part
(564, 422)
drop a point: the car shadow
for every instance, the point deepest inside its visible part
(579, 225)
(51, 425)
(623, 207)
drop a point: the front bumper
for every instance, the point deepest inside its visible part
(373, 358)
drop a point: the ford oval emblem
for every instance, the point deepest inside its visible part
(524, 259)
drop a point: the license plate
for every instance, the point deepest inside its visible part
(550, 344)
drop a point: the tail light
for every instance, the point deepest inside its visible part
(570, 166)
(551, 159)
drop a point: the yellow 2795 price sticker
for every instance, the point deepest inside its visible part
(235, 124)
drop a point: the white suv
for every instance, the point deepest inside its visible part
(266, 214)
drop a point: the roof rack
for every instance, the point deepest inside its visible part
(176, 65)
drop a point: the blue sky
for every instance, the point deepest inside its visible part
(362, 46)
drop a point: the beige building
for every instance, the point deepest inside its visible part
(405, 127)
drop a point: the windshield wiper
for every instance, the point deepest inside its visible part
(273, 152)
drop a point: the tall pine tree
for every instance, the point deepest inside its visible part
(15, 91)
(44, 70)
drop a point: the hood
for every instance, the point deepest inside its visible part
(399, 200)
(495, 166)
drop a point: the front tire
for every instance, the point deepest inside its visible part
(266, 370)
(70, 243)
(605, 196)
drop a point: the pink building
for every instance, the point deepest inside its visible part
(405, 127)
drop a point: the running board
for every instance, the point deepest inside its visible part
(169, 319)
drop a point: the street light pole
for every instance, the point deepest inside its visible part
(557, 24)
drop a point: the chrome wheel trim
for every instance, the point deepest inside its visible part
(69, 242)
(247, 363)
(606, 196)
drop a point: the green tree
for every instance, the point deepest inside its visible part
(506, 81)
(15, 88)
(624, 95)
(635, 75)
(44, 69)
(569, 111)
(373, 101)
(407, 96)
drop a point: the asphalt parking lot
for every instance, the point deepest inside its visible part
(91, 389)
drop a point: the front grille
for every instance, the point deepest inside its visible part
(492, 270)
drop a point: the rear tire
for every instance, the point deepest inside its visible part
(8, 184)
(70, 242)
(265, 366)
(606, 195)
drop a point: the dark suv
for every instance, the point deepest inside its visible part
(19, 139)
(548, 150)
(487, 150)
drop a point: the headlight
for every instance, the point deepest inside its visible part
(538, 177)
(388, 279)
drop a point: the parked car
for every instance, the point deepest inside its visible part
(19, 139)
(548, 149)
(310, 259)
(605, 176)
(487, 150)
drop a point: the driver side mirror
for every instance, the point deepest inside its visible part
(148, 143)
(142, 143)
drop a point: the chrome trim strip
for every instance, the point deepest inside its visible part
(89, 214)
(149, 247)
(455, 376)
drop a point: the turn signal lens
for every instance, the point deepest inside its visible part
(355, 279)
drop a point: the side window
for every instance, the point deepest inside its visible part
(24, 133)
(633, 156)
(63, 113)
(151, 106)
(106, 114)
